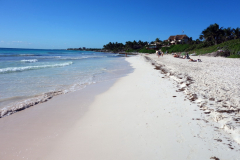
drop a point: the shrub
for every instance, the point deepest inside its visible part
(131, 50)
(234, 56)
(147, 51)
(178, 48)
(164, 49)
(231, 47)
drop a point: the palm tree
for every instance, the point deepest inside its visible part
(212, 33)
(228, 33)
(236, 33)
(190, 41)
(129, 45)
(198, 41)
(157, 40)
(140, 43)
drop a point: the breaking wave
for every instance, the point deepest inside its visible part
(19, 69)
(29, 60)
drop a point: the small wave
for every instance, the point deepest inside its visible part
(18, 55)
(29, 60)
(76, 58)
(26, 54)
(19, 69)
(97, 56)
(49, 57)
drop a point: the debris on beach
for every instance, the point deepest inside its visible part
(211, 84)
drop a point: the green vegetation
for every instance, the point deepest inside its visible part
(225, 41)
(132, 50)
(217, 35)
(134, 46)
(147, 51)
(128, 46)
(231, 46)
(234, 56)
(115, 47)
(178, 48)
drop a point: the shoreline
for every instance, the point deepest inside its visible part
(18, 105)
(33, 132)
(138, 116)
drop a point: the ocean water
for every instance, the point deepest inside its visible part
(25, 73)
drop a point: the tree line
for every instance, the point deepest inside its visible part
(216, 35)
(212, 35)
(115, 47)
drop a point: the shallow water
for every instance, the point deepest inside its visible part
(25, 73)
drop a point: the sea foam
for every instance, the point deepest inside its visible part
(19, 69)
(29, 60)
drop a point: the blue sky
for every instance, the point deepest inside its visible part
(60, 24)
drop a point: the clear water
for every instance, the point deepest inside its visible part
(25, 73)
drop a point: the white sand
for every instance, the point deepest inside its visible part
(137, 118)
(216, 82)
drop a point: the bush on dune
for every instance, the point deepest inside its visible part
(234, 56)
(233, 46)
(131, 50)
(147, 51)
(178, 48)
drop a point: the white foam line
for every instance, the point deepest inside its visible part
(29, 60)
(18, 69)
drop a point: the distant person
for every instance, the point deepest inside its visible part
(176, 55)
(192, 60)
(158, 53)
(188, 56)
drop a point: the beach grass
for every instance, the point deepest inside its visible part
(234, 56)
(232, 46)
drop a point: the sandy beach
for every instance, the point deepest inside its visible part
(171, 112)
(213, 84)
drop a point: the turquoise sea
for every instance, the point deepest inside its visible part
(25, 73)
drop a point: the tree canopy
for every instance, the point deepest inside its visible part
(215, 34)
(115, 47)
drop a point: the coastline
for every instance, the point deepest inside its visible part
(139, 116)
(32, 133)
(15, 104)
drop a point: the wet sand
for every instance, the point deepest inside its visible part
(33, 132)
